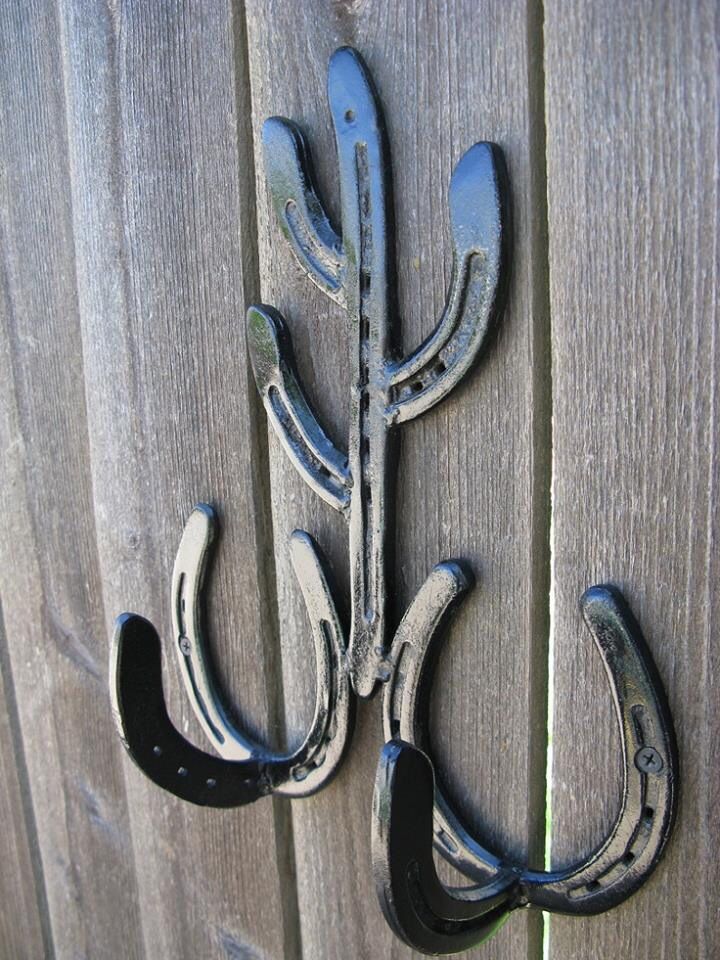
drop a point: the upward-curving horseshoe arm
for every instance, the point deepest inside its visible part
(318, 461)
(479, 221)
(288, 168)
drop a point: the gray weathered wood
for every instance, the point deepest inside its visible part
(164, 233)
(49, 574)
(129, 253)
(473, 474)
(632, 108)
(24, 930)
(123, 143)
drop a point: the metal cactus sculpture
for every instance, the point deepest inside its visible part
(411, 813)
(356, 270)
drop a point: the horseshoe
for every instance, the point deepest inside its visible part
(245, 770)
(610, 874)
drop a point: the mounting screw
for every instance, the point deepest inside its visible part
(185, 645)
(384, 671)
(648, 760)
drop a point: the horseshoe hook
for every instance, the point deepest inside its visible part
(245, 770)
(405, 877)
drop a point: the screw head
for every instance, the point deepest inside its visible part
(648, 760)
(185, 645)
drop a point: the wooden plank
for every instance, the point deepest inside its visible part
(473, 473)
(24, 931)
(162, 186)
(632, 106)
(49, 576)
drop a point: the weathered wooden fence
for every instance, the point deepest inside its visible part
(135, 228)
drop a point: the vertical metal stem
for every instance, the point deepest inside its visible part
(366, 221)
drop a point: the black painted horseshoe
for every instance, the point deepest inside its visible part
(245, 770)
(423, 912)
(631, 851)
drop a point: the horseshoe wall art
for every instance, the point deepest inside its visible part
(411, 812)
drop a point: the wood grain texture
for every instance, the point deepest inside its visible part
(163, 220)
(472, 473)
(129, 249)
(128, 246)
(24, 931)
(49, 574)
(632, 110)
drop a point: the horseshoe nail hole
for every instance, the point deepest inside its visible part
(593, 885)
(323, 471)
(440, 367)
(447, 841)
(349, 116)
(157, 751)
(182, 771)
(210, 782)
(417, 386)
(394, 727)
(648, 813)
(365, 400)
(300, 773)
(364, 287)
(628, 858)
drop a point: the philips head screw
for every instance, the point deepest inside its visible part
(648, 760)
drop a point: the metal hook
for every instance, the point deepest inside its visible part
(608, 876)
(246, 770)
(355, 268)
(423, 912)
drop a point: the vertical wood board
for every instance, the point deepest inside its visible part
(24, 932)
(166, 257)
(632, 107)
(49, 572)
